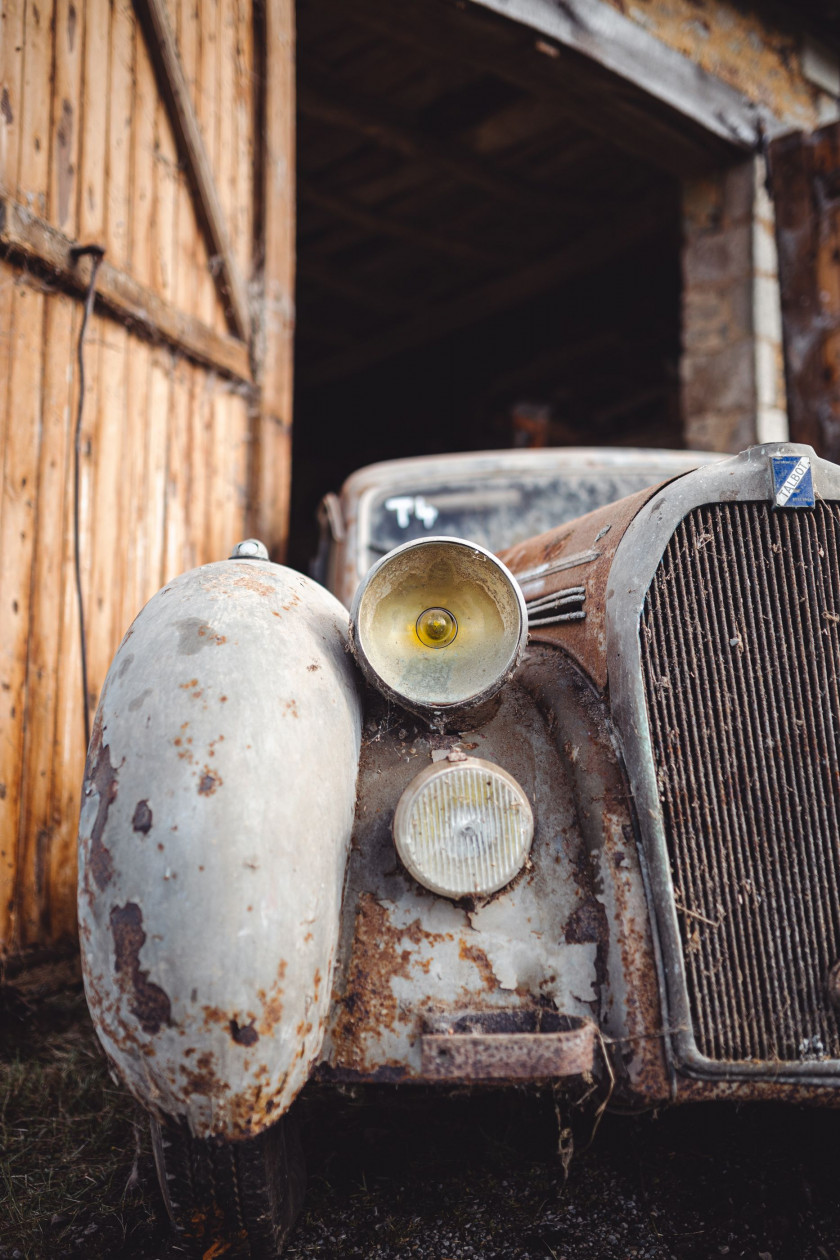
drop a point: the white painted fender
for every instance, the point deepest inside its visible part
(216, 819)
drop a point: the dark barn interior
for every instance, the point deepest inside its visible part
(488, 245)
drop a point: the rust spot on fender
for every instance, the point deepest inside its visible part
(202, 1079)
(103, 781)
(208, 782)
(142, 820)
(148, 1002)
(272, 1004)
(244, 1034)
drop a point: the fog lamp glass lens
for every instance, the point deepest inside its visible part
(436, 628)
(463, 828)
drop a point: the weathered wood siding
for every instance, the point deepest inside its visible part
(183, 417)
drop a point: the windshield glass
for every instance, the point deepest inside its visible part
(496, 512)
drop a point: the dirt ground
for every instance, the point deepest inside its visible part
(401, 1174)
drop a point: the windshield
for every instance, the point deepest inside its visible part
(496, 512)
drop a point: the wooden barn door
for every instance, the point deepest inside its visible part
(805, 175)
(161, 131)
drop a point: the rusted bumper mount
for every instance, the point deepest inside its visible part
(542, 1045)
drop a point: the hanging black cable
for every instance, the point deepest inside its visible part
(96, 253)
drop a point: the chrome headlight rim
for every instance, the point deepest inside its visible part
(461, 704)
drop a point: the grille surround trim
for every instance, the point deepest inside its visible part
(743, 478)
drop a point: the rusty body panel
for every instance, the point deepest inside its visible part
(576, 554)
(210, 872)
(568, 939)
(408, 958)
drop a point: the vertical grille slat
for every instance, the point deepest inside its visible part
(740, 644)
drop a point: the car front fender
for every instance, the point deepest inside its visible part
(216, 819)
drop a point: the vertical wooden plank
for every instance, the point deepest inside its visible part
(8, 832)
(166, 192)
(101, 542)
(226, 163)
(39, 840)
(198, 443)
(193, 478)
(217, 528)
(232, 522)
(118, 190)
(177, 474)
(11, 78)
(143, 160)
(209, 308)
(272, 445)
(242, 217)
(65, 148)
(17, 527)
(91, 190)
(68, 747)
(138, 580)
(34, 154)
(241, 462)
(156, 429)
(187, 233)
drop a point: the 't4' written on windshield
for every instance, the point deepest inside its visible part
(406, 506)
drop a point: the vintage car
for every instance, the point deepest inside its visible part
(569, 814)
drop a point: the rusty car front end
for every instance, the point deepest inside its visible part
(254, 915)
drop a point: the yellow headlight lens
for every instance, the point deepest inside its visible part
(436, 628)
(463, 828)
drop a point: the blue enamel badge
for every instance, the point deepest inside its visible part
(793, 481)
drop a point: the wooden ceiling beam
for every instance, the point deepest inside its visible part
(603, 241)
(321, 97)
(601, 101)
(380, 223)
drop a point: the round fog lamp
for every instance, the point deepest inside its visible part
(463, 828)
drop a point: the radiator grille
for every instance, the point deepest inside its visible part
(740, 639)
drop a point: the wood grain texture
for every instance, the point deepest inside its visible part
(272, 455)
(182, 117)
(39, 833)
(120, 117)
(11, 78)
(87, 154)
(17, 538)
(34, 153)
(66, 114)
(91, 188)
(22, 234)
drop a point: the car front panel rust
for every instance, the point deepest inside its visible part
(578, 554)
(410, 961)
